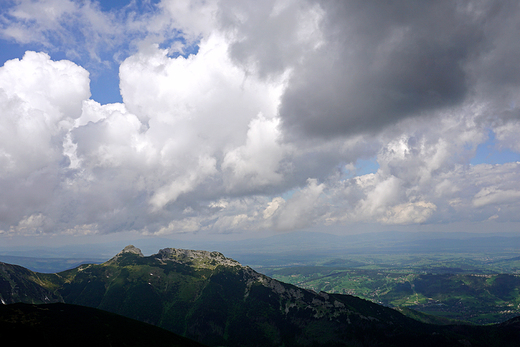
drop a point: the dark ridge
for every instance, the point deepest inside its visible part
(71, 325)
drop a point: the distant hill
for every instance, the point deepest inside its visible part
(49, 265)
(55, 325)
(217, 301)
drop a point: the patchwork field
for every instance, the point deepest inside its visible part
(477, 288)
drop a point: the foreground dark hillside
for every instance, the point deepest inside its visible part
(216, 301)
(70, 325)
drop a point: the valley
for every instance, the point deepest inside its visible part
(479, 299)
(478, 288)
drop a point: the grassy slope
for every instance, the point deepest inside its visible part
(18, 284)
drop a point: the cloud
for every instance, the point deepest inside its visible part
(271, 37)
(507, 134)
(379, 64)
(198, 128)
(81, 27)
(409, 213)
(203, 114)
(300, 210)
(40, 99)
(491, 195)
(194, 19)
(179, 226)
(256, 163)
(262, 126)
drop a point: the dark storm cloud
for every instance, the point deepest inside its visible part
(385, 61)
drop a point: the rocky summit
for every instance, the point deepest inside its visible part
(203, 259)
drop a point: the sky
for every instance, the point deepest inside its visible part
(238, 118)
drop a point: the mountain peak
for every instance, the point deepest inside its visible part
(201, 259)
(128, 249)
(132, 249)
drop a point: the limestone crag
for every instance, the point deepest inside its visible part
(131, 249)
(193, 257)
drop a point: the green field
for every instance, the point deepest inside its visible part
(477, 288)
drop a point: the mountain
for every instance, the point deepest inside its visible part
(18, 284)
(70, 325)
(217, 301)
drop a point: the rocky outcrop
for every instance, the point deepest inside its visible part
(200, 259)
(131, 249)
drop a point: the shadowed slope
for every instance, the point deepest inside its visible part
(72, 325)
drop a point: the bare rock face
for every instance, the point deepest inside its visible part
(201, 259)
(132, 249)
